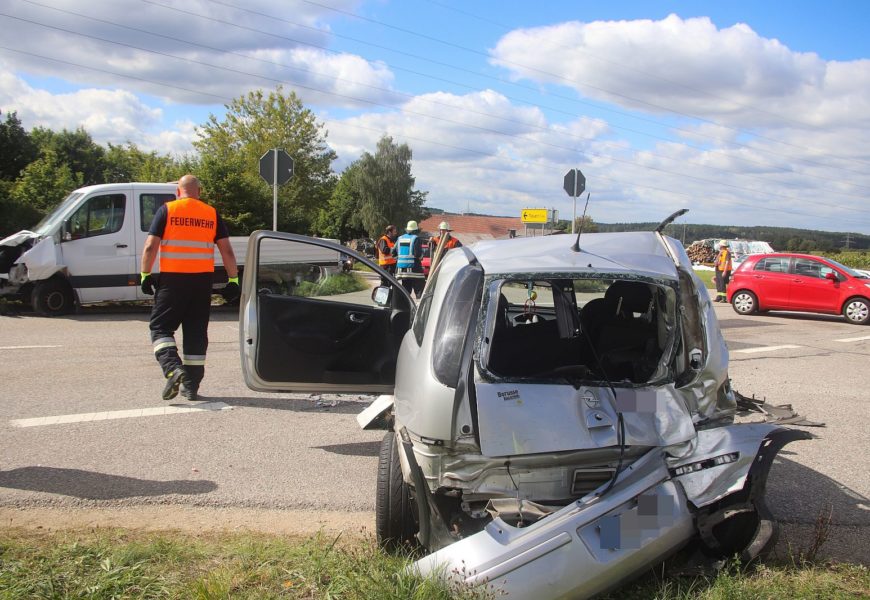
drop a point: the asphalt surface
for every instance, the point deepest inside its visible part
(304, 452)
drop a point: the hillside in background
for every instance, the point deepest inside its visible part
(781, 238)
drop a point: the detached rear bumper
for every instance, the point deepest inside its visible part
(581, 550)
(597, 544)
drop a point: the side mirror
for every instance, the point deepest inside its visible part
(381, 295)
(830, 275)
(65, 234)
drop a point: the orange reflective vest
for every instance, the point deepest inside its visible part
(187, 245)
(388, 258)
(452, 242)
(723, 261)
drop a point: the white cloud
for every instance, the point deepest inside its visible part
(196, 52)
(689, 66)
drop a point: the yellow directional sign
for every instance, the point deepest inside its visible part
(534, 215)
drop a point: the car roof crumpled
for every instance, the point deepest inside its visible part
(639, 252)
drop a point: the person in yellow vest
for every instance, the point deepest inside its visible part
(384, 248)
(722, 270)
(185, 232)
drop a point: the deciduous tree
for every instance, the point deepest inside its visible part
(386, 187)
(232, 147)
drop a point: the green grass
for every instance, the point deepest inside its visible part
(791, 582)
(104, 564)
(706, 277)
(340, 283)
(111, 563)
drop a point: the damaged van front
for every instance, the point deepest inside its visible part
(560, 417)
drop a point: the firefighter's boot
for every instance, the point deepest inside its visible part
(173, 382)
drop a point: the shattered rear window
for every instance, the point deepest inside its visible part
(580, 329)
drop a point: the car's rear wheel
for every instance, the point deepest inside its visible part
(744, 302)
(857, 311)
(395, 525)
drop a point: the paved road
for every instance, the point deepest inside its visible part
(118, 445)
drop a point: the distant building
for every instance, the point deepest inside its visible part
(472, 228)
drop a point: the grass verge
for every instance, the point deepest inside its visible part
(114, 563)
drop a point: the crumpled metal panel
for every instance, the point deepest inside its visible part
(713, 483)
(42, 259)
(18, 238)
(583, 549)
(638, 252)
(530, 418)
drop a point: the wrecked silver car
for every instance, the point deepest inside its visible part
(559, 413)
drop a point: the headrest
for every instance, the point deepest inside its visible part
(628, 297)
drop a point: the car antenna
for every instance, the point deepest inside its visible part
(670, 219)
(576, 246)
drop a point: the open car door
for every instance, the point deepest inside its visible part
(301, 328)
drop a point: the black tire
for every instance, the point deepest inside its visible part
(744, 302)
(857, 311)
(395, 525)
(52, 297)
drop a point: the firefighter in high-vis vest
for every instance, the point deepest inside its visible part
(443, 233)
(384, 249)
(408, 251)
(722, 271)
(185, 232)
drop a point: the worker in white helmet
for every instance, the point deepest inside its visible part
(408, 251)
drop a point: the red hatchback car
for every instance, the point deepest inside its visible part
(799, 282)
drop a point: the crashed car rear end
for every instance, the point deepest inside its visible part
(561, 417)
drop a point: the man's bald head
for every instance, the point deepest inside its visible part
(188, 187)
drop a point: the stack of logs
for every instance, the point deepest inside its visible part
(700, 252)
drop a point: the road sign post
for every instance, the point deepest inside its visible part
(574, 184)
(276, 168)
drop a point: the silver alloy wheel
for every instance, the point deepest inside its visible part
(744, 302)
(857, 311)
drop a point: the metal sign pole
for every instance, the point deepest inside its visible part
(275, 190)
(574, 217)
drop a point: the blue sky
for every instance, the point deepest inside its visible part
(749, 113)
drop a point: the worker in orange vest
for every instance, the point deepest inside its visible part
(449, 242)
(185, 232)
(722, 271)
(384, 248)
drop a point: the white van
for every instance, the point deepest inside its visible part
(88, 249)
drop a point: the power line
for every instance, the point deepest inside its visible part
(481, 75)
(425, 115)
(567, 79)
(552, 167)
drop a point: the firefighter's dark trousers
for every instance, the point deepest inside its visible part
(182, 299)
(722, 279)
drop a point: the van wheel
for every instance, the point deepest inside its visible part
(857, 311)
(52, 297)
(395, 525)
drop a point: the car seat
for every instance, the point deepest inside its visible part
(627, 335)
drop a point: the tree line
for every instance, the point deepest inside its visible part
(38, 168)
(783, 239)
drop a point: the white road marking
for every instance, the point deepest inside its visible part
(766, 349)
(26, 347)
(120, 414)
(855, 339)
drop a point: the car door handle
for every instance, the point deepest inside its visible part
(120, 245)
(355, 317)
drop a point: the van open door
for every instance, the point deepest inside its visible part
(302, 326)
